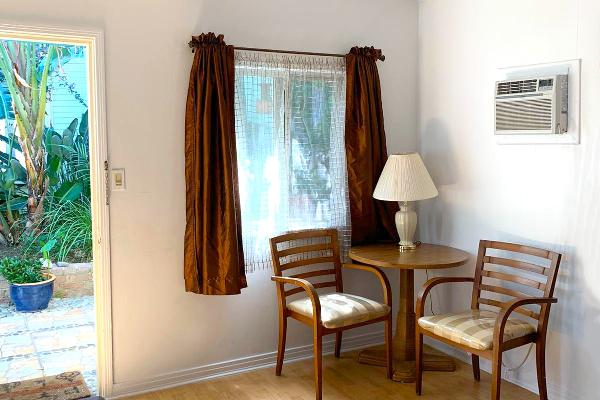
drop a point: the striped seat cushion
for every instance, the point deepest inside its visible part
(341, 309)
(474, 328)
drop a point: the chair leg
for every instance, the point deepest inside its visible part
(540, 352)
(338, 344)
(419, 361)
(281, 344)
(389, 348)
(318, 364)
(496, 374)
(476, 370)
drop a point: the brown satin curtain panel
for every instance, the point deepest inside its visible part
(366, 152)
(213, 254)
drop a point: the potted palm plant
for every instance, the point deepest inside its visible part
(31, 285)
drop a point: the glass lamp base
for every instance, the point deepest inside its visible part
(406, 224)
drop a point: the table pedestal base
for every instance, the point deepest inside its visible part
(404, 370)
(404, 340)
(387, 255)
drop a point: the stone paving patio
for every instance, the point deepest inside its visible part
(58, 339)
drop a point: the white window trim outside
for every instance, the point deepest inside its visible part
(93, 39)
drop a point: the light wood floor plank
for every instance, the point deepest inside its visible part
(344, 379)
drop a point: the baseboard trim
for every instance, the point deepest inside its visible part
(236, 366)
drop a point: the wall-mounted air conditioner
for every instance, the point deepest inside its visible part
(532, 106)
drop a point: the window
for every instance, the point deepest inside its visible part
(290, 147)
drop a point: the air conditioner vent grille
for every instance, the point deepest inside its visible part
(524, 115)
(516, 87)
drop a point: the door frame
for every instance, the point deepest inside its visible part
(93, 39)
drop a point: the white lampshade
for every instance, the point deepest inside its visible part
(404, 178)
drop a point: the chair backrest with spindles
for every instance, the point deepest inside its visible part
(310, 254)
(498, 275)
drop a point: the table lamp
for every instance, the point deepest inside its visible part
(404, 178)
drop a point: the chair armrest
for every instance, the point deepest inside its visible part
(511, 306)
(308, 288)
(430, 284)
(385, 283)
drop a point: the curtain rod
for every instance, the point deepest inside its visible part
(308, 53)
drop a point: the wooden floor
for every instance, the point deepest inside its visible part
(344, 379)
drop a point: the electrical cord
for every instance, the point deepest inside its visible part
(512, 369)
(431, 296)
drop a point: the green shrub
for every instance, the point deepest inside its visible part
(21, 270)
(67, 218)
(69, 225)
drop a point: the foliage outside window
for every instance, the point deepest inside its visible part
(44, 173)
(290, 148)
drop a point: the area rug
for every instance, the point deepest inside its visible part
(65, 386)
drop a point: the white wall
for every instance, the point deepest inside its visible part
(158, 328)
(544, 195)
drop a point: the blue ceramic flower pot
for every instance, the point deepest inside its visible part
(31, 297)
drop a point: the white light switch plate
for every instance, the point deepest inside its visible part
(117, 180)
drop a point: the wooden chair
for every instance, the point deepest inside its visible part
(315, 253)
(486, 333)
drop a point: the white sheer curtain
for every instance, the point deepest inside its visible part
(290, 148)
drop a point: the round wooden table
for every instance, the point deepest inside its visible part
(425, 256)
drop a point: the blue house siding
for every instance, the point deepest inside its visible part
(64, 106)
